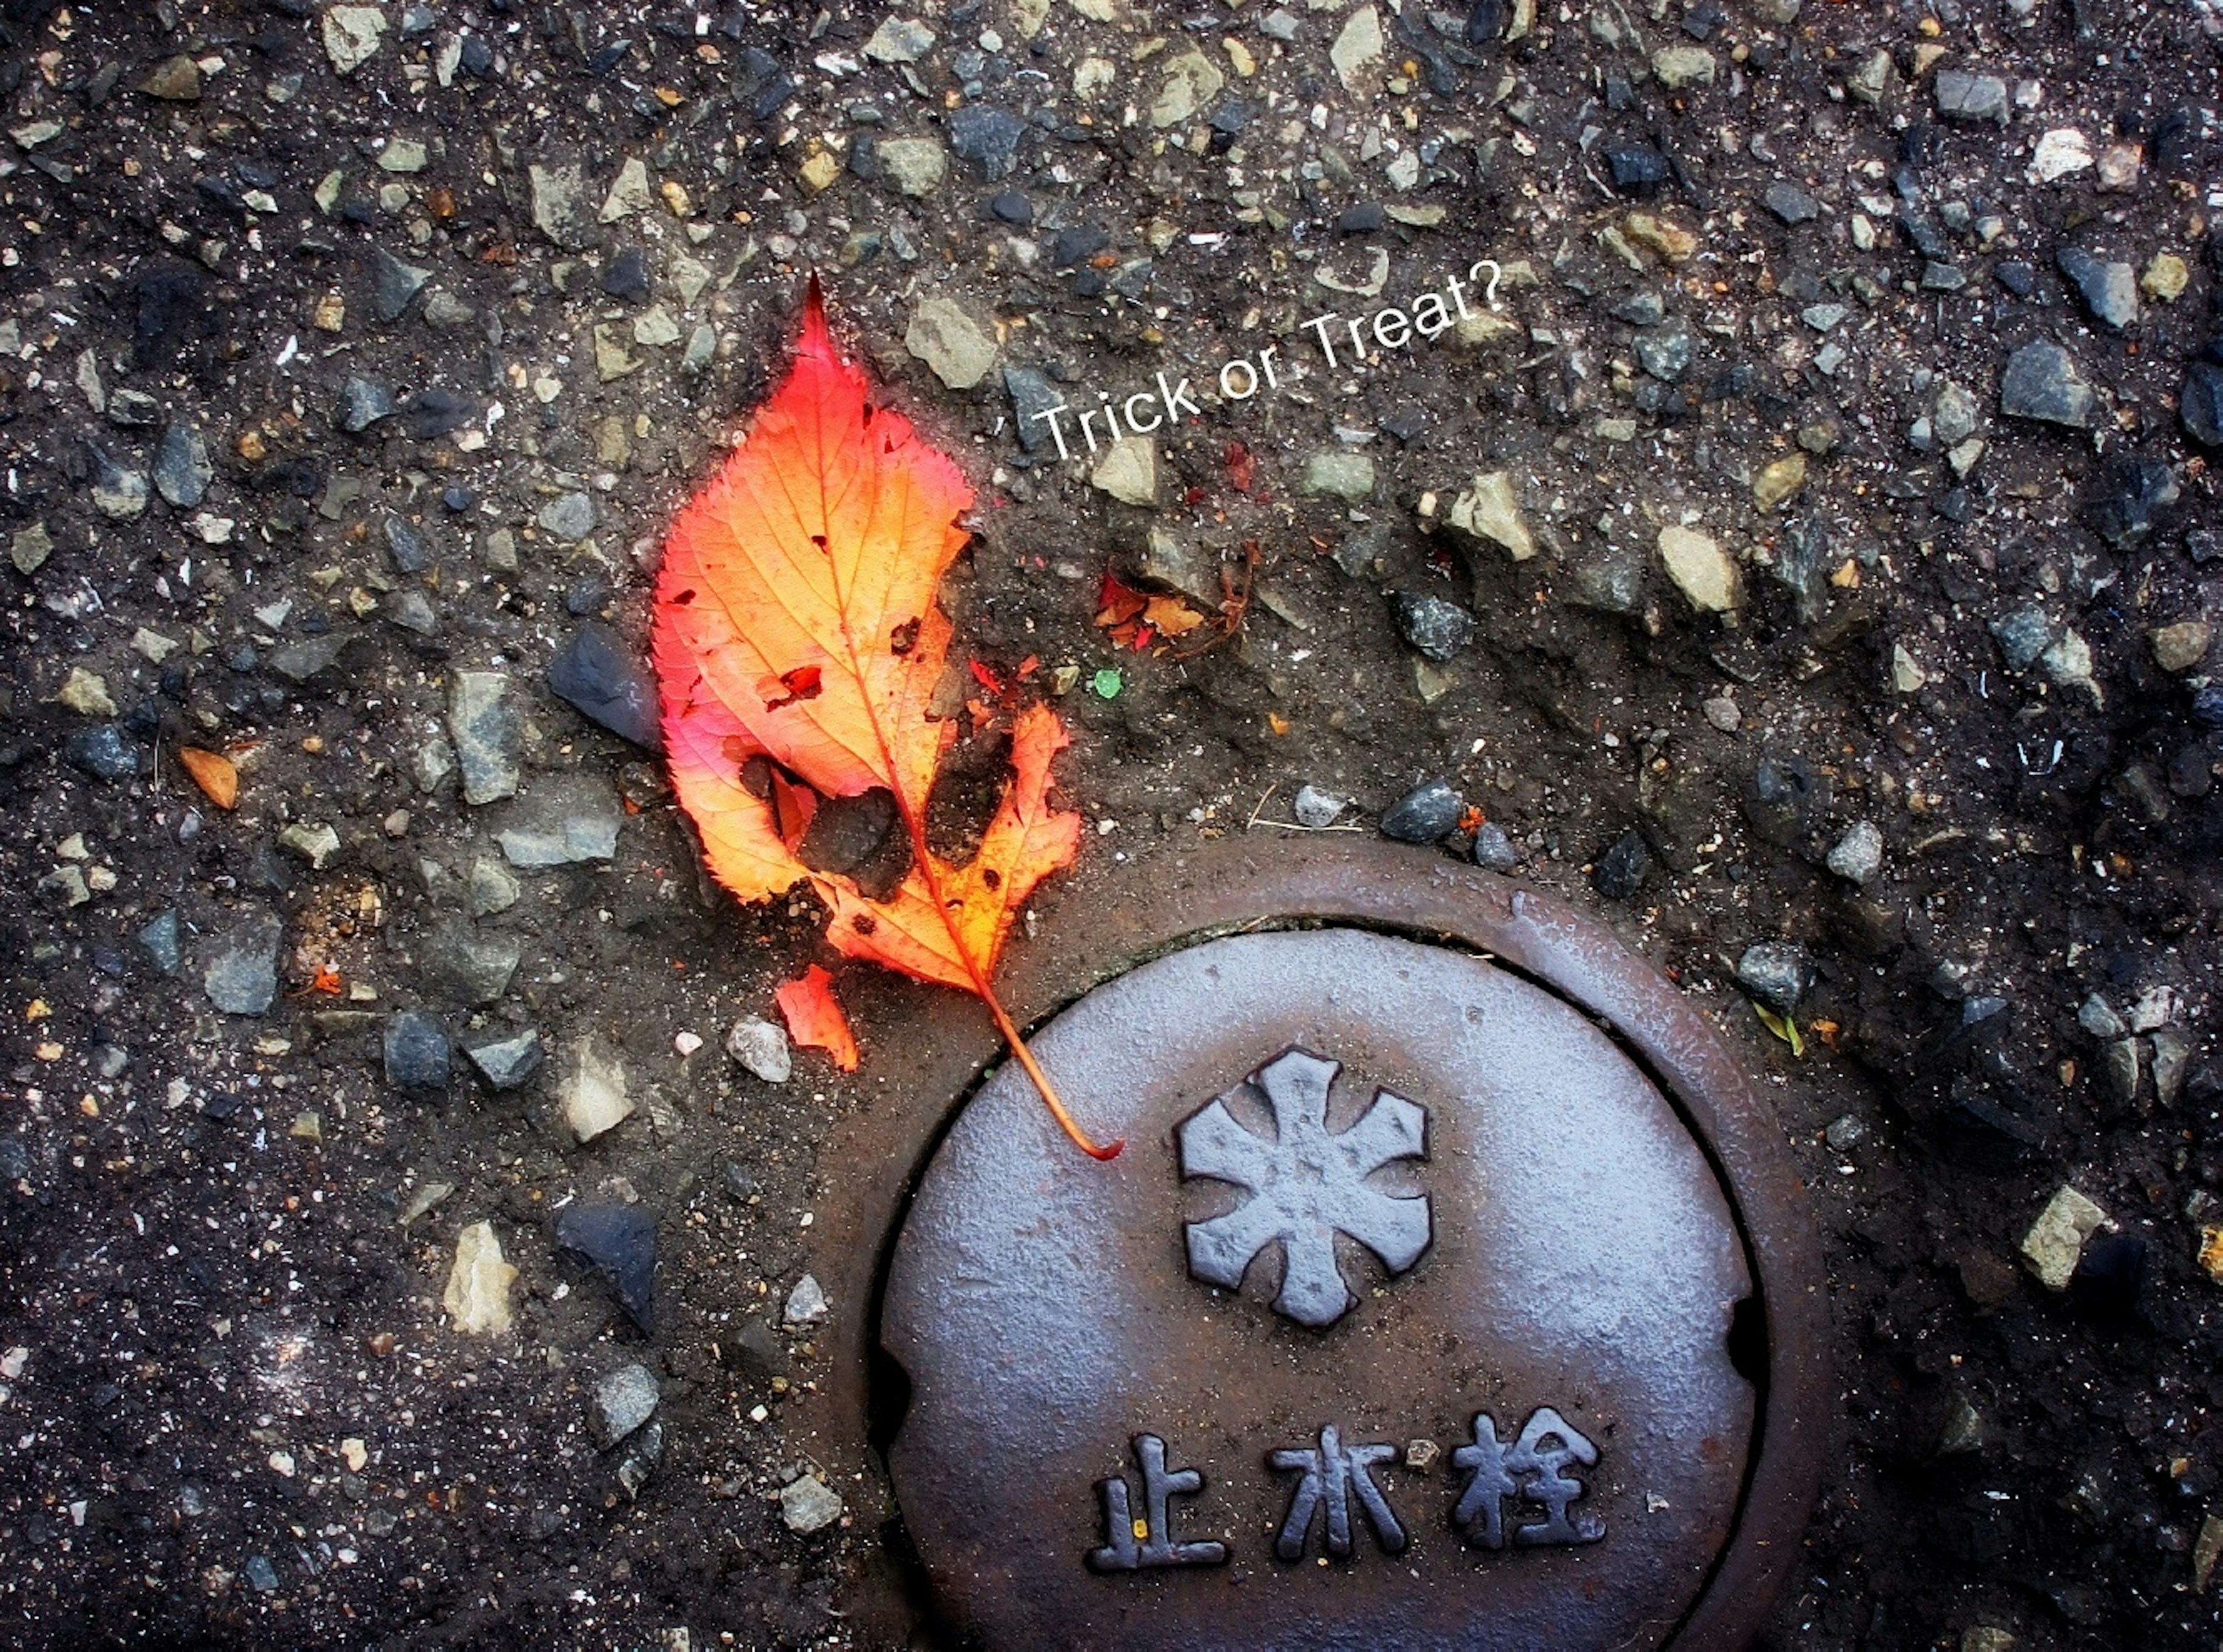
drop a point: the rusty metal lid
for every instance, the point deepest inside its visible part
(1410, 1317)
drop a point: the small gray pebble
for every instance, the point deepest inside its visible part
(1314, 808)
(1493, 850)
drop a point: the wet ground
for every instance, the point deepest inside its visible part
(1809, 540)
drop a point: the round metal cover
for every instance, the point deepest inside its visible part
(1410, 1317)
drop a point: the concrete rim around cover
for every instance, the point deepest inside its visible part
(1179, 897)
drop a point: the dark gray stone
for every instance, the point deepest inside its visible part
(640, 1458)
(406, 546)
(1619, 872)
(393, 284)
(2022, 635)
(105, 752)
(2109, 290)
(242, 975)
(412, 611)
(1777, 973)
(474, 967)
(1424, 814)
(416, 1048)
(1493, 850)
(1971, 98)
(508, 1064)
(182, 470)
(987, 137)
(1610, 579)
(1791, 204)
(603, 679)
(362, 404)
(1438, 629)
(1640, 310)
(623, 1400)
(160, 938)
(2200, 399)
(311, 658)
(2042, 382)
(628, 276)
(1032, 395)
(1783, 798)
(2124, 513)
(1666, 353)
(2098, 1017)
(619, 1241)
(1636, 168)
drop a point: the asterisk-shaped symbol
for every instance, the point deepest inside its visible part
(1306, 1187)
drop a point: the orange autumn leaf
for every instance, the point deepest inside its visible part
(214, 774)
(814, 1017)
(796, 628)
(1171, 616)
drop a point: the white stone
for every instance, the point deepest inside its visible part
(593, 1093)
(1344, 475)
(960, 349)
(1678, 66)
(86, 694)
(2154, 1009)
(1192, 81)
(1130, 471)
(762, 1048)
(2067, 662)
(1701, 569)
(1490, 510)
(2056, 1239)
(899, 40)
(2059, 153)
(809, 1505)
(1857, 856)
(477, 1297)
(806, 1303)
(914, 165)
(351, 35)
(629, 193)
(1357, 46)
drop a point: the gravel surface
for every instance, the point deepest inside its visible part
(1796, 542)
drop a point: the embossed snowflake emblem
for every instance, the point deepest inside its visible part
(1306, 1186)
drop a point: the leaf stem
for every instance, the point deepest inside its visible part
(1049, 1094)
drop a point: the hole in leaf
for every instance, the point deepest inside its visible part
(903, 637)
(861, 838)
(802, 683)
(966, 796)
